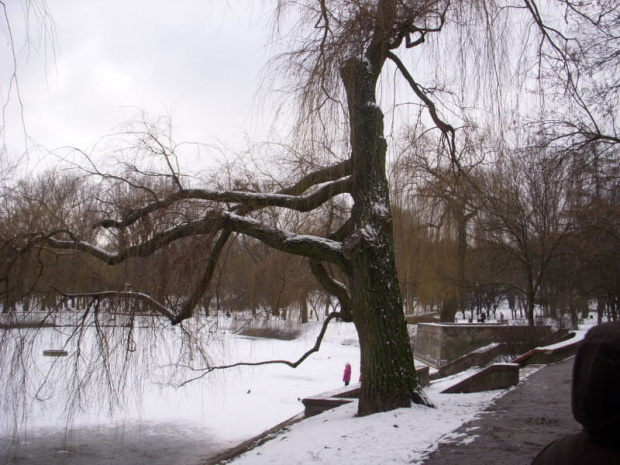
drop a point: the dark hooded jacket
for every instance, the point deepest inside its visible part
(595, 402)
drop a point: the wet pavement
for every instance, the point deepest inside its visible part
(517, 425)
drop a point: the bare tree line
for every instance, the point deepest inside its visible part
(508, 230)
(513, 231)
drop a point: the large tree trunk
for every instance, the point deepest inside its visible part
(389, 379)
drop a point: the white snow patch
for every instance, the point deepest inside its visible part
(380, 210)
(402, 436)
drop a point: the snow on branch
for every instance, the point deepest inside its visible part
(297, 244)
(290, 197)
(304, 245)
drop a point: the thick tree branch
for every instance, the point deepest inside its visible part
(248, 201)
(329, 174)
(407, 29)
(332, 286)
(297, 244)
(202, 285)
(286, 241)
(447, 130)
(144, 249)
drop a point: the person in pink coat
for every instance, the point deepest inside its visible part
(346, 377)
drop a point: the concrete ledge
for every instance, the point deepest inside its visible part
(556, 337)
(330, 399)
(478, 357)
(423, 375)
(545, 355)
(496, 376)
(229, 454)
(315, 405)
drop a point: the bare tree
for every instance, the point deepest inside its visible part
(578, 67)
(336, 57)
(524, 214)
(354, 42)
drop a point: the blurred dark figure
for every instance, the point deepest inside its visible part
(596, 403)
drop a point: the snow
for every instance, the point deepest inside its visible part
(404, 436)
(401, 436)
(380, 210)
(229, 407)
(485, 348)
(334, 246)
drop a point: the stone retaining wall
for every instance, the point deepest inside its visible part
(496, 376)
(437, 344)
(478, 357)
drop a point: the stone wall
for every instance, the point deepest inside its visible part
(478, 357)
(496, 376)
(439, 343)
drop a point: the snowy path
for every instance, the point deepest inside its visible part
(517, 425)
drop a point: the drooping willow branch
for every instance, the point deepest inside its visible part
(295, 364)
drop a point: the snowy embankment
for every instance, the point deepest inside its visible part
(403, 436)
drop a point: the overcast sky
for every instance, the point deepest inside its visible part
(197, 60)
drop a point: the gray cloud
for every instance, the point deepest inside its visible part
(197, 60)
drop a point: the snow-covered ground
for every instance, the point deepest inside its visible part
(228, 407)
(235, 404)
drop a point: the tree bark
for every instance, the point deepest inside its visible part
(389, 378)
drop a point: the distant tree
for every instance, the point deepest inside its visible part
(444, 184)
(593, 251)
(524, 218)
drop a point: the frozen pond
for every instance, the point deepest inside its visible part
(128, 408)
(139, 443)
